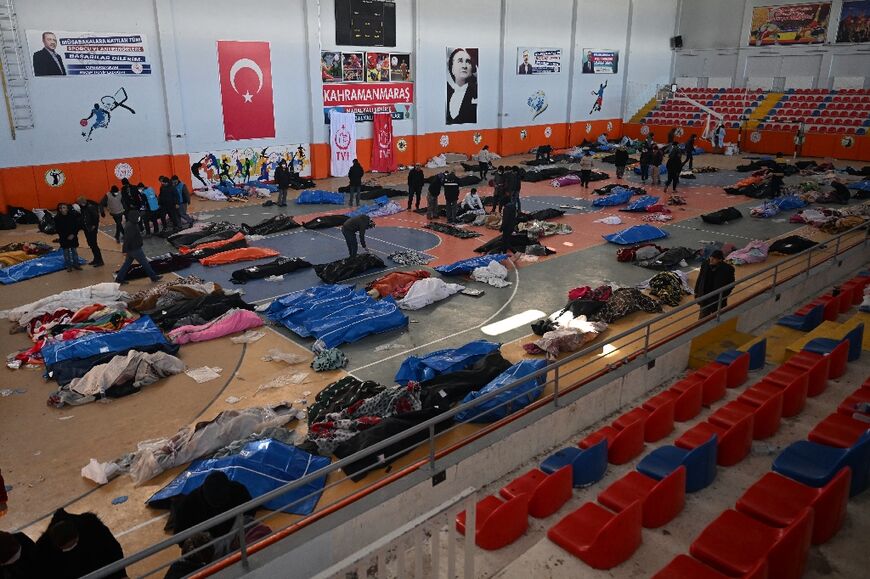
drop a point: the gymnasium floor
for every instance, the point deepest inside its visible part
(43, 449)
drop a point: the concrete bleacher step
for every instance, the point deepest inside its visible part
(778, 340)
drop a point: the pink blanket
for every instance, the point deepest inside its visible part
(235, 320)
(565, 180)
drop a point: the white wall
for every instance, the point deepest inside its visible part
(59, 102)
(649, 55)
(715, 39)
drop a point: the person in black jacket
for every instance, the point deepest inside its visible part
(216, 495)
(76, 545)
(715, 274)
(68, 223)
(130, 196)
(415, 185)
(674, 166)
(620, 159)
(282, 179)
(508, 223)
(354, 177)
(432, 196)
(352, 227)
(47, 62)
(91, 213)
(168, 199)
(183, 200)
(18, 557)
(451, 196)
(133, 249)
(690, 152)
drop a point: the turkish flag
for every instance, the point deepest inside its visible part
(246, 89)
(383, 159)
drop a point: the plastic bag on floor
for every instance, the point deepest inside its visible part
(276, 355)
(284, 380)
(611, 220)
(204, 374)
(248, 337)
(100, 472)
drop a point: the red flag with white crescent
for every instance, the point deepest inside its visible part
(383, 158)
(246, 89)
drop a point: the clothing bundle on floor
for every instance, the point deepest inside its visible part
(642, 252)
(335, 314)
(325, 222)
(13, 253)
(625, 301)
(121, 376)
(280, 266)
(754, 252)
(318, 197)
(182, 307)
(669, 259)
(536, 229)
(235, 320)
(410, 258)
(208, 249)
(791, 245)
(722, 216)
(348, 267)
(668, 287)
(428, 291)
(641, 204)
(271, 225)
(451, 230)
(540, 215)
(164, 263)
(237, 255)
(203, 232)
(395, 284)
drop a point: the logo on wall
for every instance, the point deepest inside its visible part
(588, 128)
(402, 145)
(755, 137)
(644, 130)
(101, 113)
(599, 97)
(847, 142)
(548, 132)
(123, 171)
(523, 135)
(537, 103)
(342, 138)
(679, 132)
(444, 140)
(609, 126)
(55, 177)
(477, 138)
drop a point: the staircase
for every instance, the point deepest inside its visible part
(644, 110)
(13, 72)
(761, 111)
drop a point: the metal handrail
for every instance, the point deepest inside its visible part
(430, 424)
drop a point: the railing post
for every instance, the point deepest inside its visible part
(773, 285)
(718, 305)
(809, 261)
(837, 247)
(243, 547)
(432, 448)
(646, 340)
(556, 386)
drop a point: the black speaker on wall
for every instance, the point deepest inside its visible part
(676, 42)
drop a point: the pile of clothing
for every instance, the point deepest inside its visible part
(428, 291)
(669, 287)
(668, 259)
(229, 322)
(12, 253)
(164, 263)
(536, 229)
(625, 301)
(271, 225)
(335, 314)
(754, 252)
(349, 267)
(188, 305)
(451, 230)
(722, 216)
(278, 267)
(754, 186)
(325, 222)
(204, 250)
(395, 284)
(569, 329)
(203, 232)
(237, 255)
(791, 245)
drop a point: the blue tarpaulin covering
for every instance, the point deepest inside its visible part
(366, 209)
(335, 314)
(230, 189)
(787, 202)
(261, 185)
(619, 196)
(662, 169)
(510, 400)
(466, 266)
(44, 264)
(142, 332)
(418, 369)
(635, 234)
(641, 203)
(318, 197)
(860, 185)
(262, 466)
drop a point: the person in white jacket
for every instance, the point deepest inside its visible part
(484, 160)
(472, 203)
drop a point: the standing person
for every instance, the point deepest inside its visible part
(585, 169)
(719, 136)
(672, 135)
(517, 185)
(620, 159)
(432, 197)
(500, 183)
(511, 180)
(90, 215)
(484, 160)
(354, 176)
(645, 156)
(18, 557)
(151, 209)
(656, 158)
(168, 200)
(416, 179)
(133, 249)
(68, 224)
(674, 166)
(690, 152)
(183, 200)
(76, 545)
(451, 197)
(130, 195)
(777, 180)
(115, 205)
(508, 224)
(715, 274)
(353, 227)
(282, 179)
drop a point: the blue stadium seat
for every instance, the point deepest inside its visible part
(700, 463)
(816, 464)
(804, 323)
(588, 466)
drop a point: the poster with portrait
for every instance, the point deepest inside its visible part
(790, 24)
(63, 53)
(400, 67)
(461, 88)
(854, 22)
(330, 66)
(595, 61)
(539, 60)
(352, 67)
(377, 67)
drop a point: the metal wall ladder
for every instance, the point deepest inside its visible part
(13, 72)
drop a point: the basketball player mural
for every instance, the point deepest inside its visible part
(101, 113)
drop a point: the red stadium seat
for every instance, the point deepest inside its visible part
(838, 431)
(734, 439)
(547, 493)
(662, 500)
(498, 523)
(624, 442)
(685, 567)
(658, 423)
(715, 380)
(794, 383)
(599, 537)
(687, 395)
(848, 406)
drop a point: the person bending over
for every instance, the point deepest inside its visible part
(353, 227)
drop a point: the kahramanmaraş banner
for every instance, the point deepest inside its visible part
(790, 24)
(63, 53)
(364, 100)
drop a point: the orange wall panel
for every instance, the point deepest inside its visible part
(19, 187)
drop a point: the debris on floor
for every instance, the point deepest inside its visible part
(204, 374)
